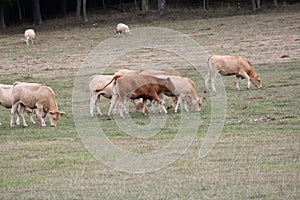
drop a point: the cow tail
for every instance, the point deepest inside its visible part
(113, 79)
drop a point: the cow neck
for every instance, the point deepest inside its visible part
(52, 101)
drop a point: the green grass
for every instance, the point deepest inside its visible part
(253, 158)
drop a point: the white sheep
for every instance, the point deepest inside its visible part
(29, 36)
(122, 29)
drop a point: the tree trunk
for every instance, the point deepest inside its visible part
(63, 7)
(145, 6)
(136, 5)
(37, 18)
(161, 6)
(2, 20)
(103, 4)
(78, 7)
(85, 19)
(275, 3)
(20, 11)
(256, 5)
(205, 4)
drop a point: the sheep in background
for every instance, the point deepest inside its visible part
(29, 36)
(122, 29)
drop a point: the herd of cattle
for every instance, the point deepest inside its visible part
(125, 84)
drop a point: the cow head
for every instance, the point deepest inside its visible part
(196, 103)
(257, 81)
(54, 116)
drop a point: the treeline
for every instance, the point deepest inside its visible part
(12, 11)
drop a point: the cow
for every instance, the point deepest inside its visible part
(5, 100)
(35, 96)
(29, 35)
(122, 29)
(185, 93)
(239, 66)
(138, 86)
(99, 81)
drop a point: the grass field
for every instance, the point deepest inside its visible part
(256, 156)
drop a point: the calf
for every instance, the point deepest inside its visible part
(5, 100)
(35, 96)
(137, 86)
(239, 66)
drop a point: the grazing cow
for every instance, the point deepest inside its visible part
(35, 96)
(99, 81)
(185, 92)
(5, 100)
(137, 86)
(122, 29)
(29, 36)
(239, 66)
(105, 82)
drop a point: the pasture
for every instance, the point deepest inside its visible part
(256, 156)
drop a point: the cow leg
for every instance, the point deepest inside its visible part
(125, 106)
(40, 113)
(122, 101)
(207, 81)
(156, 97)
(21, 110)
(179, 101)
(152, 106)
(31, 118)
(245, 75)
(144, 107)
(97, 104)
(92, 103)
(161, 97)
(12, 114)
(237, 84)
(213, 85)
(112, 105)
(185, 104)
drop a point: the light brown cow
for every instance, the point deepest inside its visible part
(137, 86)
(35, 96)
(99, 81)
(239, 66)
(185, 91)
(5, 100)
(105, 83)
